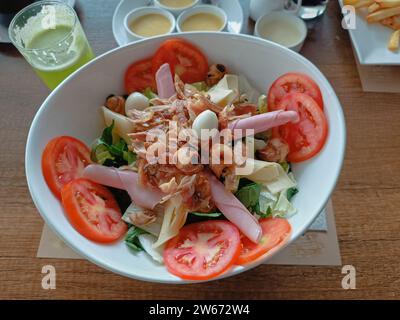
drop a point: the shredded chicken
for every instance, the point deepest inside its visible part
(173, 166)
(142, 218)
(276, 150)
(116, 104)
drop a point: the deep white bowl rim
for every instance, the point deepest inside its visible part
(96, 260)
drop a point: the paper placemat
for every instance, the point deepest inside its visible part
(314, 248)
(378, 78)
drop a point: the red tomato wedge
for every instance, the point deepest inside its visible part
(184, 59)
(306, 137)
(293, 82)
(202, 250)
(63, 160)
(276, 232)
(140, 76)
(93, 210)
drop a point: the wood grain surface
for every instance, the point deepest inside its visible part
(366, 200)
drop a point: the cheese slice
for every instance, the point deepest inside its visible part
(175, 215)
(231, 81)
(225, 91)
(270, 174)
(122, 125)
(221, 96)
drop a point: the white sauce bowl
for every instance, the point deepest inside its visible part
(208, 9)
(283, 18)
(175, 11)
(142, 11)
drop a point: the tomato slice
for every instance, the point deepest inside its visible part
(63, 160)
(184, 59)
(306, 137)
(293, 82)
(140, 76)
(93, 210)
(276, 231)
(203, 250)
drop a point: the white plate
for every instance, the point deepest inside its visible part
(232, 9)
(370, 42)
(69, 112)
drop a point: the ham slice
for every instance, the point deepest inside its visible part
(125, 180)
(263, 122)
(234, 210)
(165, 83)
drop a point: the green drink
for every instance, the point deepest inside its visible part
(51, 39)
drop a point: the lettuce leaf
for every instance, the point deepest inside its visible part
(149, 94)
(249, 195)
(291, 192)
(276, 205)
(132, 240)
(262, 104)
(109, 153)
(200, 86)
(207, 214)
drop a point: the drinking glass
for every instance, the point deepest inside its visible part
(50, 37)
(312, 9)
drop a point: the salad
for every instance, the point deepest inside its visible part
(193, 166)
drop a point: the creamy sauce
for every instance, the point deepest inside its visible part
(202, 22)
(176, 3)
(280, 32)
(150, 25)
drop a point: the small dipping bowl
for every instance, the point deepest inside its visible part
(140, 13)
(202, 10)
(283, 28)
(175, 10)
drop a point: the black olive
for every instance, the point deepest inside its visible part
(221, 68)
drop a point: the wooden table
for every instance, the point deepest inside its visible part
(366, 200)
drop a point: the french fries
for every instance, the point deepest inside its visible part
(373, 7)
(388, 3)
(363, 3)
(394, 41)
(350, 2)
(385, 12)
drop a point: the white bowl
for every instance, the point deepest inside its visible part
(202, 9)
(141, 11)
(67, 111)
(175, 11)
(288, 19)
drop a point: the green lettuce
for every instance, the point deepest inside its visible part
(132, 240)
(149, 94)
(277, 205)
(262, 104)
(207, 214)
(249, 194)
(200, 86)
(110, 153)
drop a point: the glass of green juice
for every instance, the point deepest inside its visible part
(50, 37)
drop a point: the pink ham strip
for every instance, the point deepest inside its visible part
(125, 180)
(234, 210)
(165, 83)
(264, 122)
